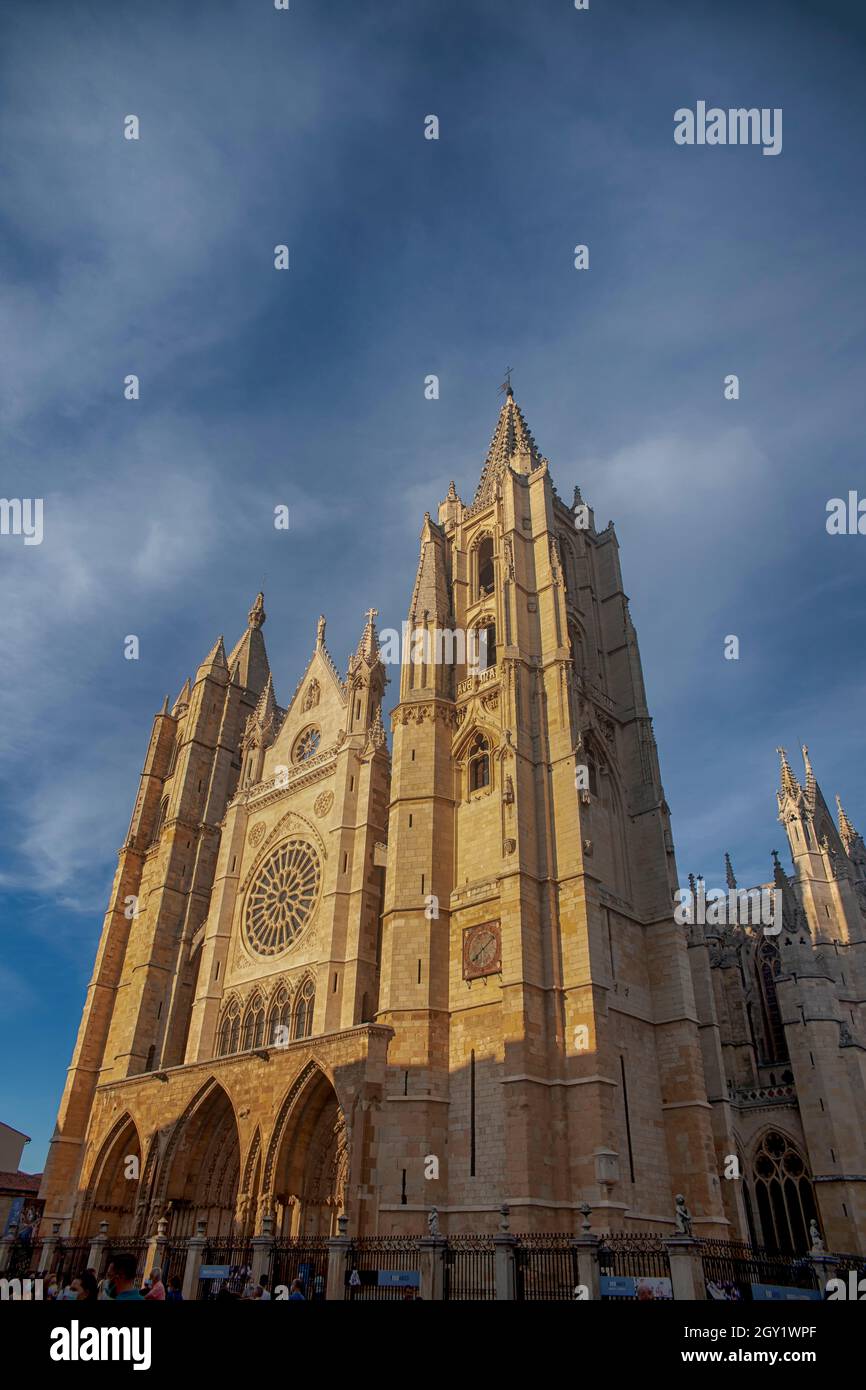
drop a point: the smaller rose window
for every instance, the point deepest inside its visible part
(307, 745)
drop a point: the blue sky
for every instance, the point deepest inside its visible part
(411, 257)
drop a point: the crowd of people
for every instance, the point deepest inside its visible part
(118, 1285)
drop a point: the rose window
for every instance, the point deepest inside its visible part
(283, 897)
(307, 745)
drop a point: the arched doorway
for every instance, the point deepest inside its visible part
(202, 1168)
(308, 1159)
(113, 1190)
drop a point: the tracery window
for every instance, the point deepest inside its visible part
(254, 1025)
(304, 1009)
(484, 643)
(307, 745)
(229, 1031)
(784, 1195)
(768, 965)
(479, 763)
(283, 897)
(279, 1017)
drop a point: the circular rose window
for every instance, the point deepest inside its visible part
(307, 745)
(283, 897)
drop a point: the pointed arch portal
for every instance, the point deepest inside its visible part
(308, 1161)
(203, 1173)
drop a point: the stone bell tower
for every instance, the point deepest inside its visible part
(546, 1047)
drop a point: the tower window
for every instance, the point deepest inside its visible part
(784, 1193)
(479, 763)
(485, 650)
(485, 567)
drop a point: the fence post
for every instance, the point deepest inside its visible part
(49, 1245)
(503, 1263)
(337, 1250)
(97, 1249)
(194, 1256)
(7, 1245)
(825, 1268)
(687, 1270)
(588, 1264)
(262, 1246)
(431, 1254)
(156, 1250)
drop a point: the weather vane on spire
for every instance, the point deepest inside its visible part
(506, 385)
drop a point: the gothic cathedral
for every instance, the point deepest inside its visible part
(337, 980)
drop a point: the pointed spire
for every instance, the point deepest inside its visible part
(729, 872)
(266, 709)
(257, 615)
(846, 830)
(164, 709)
(368, 647)
(811, 784)
(214, 662)
(248, 658)
(789, 781)
(431, 594)
(182, 701)
(511, 440)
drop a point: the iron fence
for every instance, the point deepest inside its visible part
(174, 1259)
(545, 1267)
(370, 1260)
(469, 1268)
(300, 1257)
(237, 1260)
(633, 1255)
(733, 1266)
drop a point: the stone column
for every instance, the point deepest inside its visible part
(687, 1271)
(6, 1246)
(49, 1245)
(97, 1249)
(431, 1262)
(337, 1250)
(825, 1266)
(156, 1250)
(588, 1264)
(194, 1253)
(262, 1246)
(503, 1260)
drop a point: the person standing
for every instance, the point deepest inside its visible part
(121, 1278)
(296, 1292)
(157, 1287)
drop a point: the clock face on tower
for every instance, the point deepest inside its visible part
(482, 951)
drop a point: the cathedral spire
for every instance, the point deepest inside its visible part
(215, 659)
(846, 830)
(182, 700)
(729, 872)
(368, 647)
(248, 657)
(789, 781)
(512, 444)
(811, 784)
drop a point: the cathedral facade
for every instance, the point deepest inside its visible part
(337, 979)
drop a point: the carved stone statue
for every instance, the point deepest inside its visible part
(683, 1216)
(815, 1235)
(433, 1223)
(320, 631)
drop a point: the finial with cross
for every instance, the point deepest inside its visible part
(371, 613)
(506, 385)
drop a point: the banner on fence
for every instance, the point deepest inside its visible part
(647, 1289)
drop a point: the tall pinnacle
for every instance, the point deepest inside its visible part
(511, 442)
(248, 658)
(729, 872)
(789, 781)
(846, 830)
